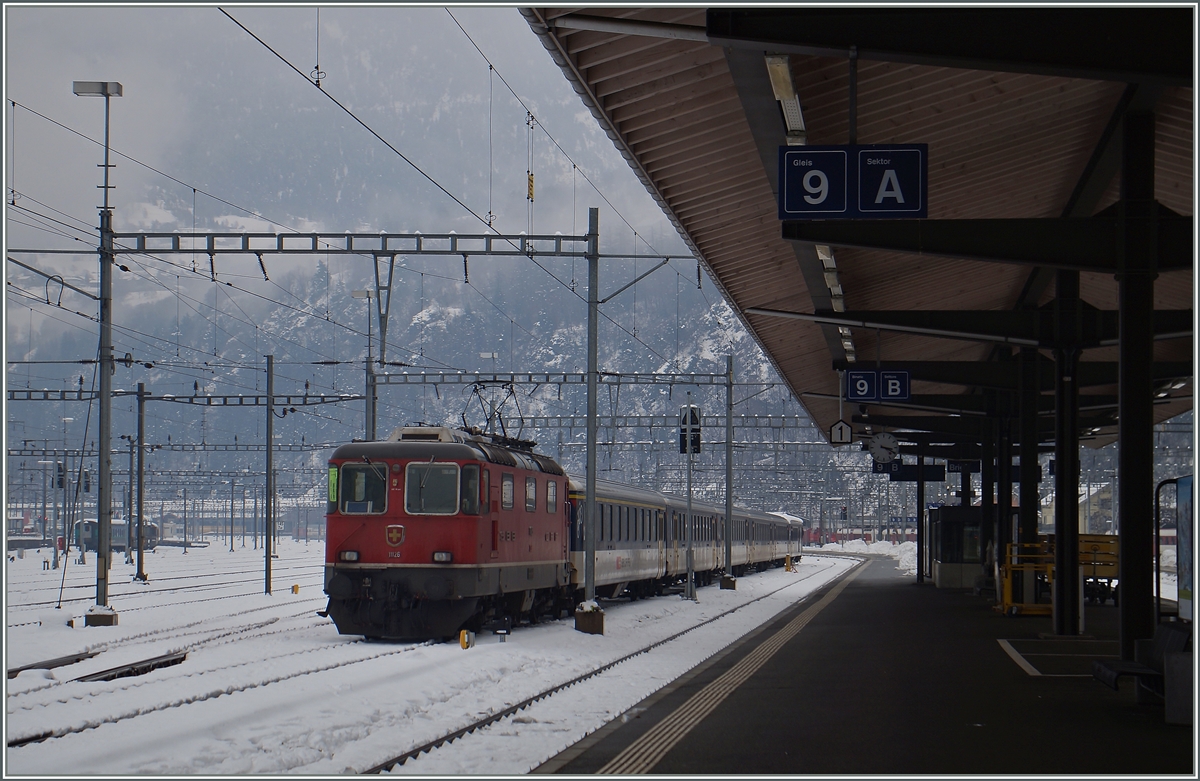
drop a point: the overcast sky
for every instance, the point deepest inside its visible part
(206, 103)
(220, 129)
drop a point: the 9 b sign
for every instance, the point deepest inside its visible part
(870, 385)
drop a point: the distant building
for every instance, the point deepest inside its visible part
(1095, 511)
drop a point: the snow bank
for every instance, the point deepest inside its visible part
(905, 553)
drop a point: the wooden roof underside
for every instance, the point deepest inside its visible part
(691, 119)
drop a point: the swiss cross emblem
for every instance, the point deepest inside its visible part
(395, 535)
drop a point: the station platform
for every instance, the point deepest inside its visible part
(876, 674)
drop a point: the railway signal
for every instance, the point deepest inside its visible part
(689, 429)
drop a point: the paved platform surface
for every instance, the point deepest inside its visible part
(879, 675)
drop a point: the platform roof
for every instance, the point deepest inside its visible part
(1020, 108)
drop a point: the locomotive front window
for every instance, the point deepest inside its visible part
(470, 489)
(431, 489)
(363, 489)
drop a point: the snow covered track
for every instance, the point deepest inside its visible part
(664, 645)
(270, 687)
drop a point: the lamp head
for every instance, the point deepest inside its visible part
(98, 89)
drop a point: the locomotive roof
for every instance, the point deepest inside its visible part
(413, 442)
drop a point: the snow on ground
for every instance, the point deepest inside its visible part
(905, 553)
(270, 687)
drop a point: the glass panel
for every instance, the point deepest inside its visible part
(551, 497)
(364, 489)
(507, 490)
(333, 476)
(470, 489)
(530, 494)
(431, 489)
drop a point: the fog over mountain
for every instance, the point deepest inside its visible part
(215, 133)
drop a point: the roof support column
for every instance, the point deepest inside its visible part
(1067, 608)
(1029, 391)
(1135, 465)
(987, 490)
(1004, 533)
(921, 510)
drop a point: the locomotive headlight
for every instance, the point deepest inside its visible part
(442, 556)
(348, 555)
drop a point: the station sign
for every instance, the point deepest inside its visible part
(907, 473)
(898, 472)
(875, 181)
(958, 467)
(840, 433)
(870, 385)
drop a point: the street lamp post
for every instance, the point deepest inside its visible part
(106, 90)
(370, 379)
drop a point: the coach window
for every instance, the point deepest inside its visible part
(551, 496)
(363, 489)
(530, 494)
(470, 489)
(431, 489)
(507, 490)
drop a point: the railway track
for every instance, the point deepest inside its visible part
(88, 707)
(494, 718)
(170, 585)
(256, 658)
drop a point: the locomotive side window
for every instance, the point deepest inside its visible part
(551, 497)
(431, 489)
(506, 492)
(470, 489)
(530, 494)
(363, 489)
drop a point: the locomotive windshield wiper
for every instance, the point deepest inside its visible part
(424, 478)
(379, 469)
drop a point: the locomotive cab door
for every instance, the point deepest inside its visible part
(492, 493)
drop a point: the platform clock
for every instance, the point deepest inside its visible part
(884, 447)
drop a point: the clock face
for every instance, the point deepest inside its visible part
(884, 448)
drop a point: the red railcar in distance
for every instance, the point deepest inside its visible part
(436, 529)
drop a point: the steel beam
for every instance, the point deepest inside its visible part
(1155, 44)
(1002, 377)
(1083, 244)
(1066, 596)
